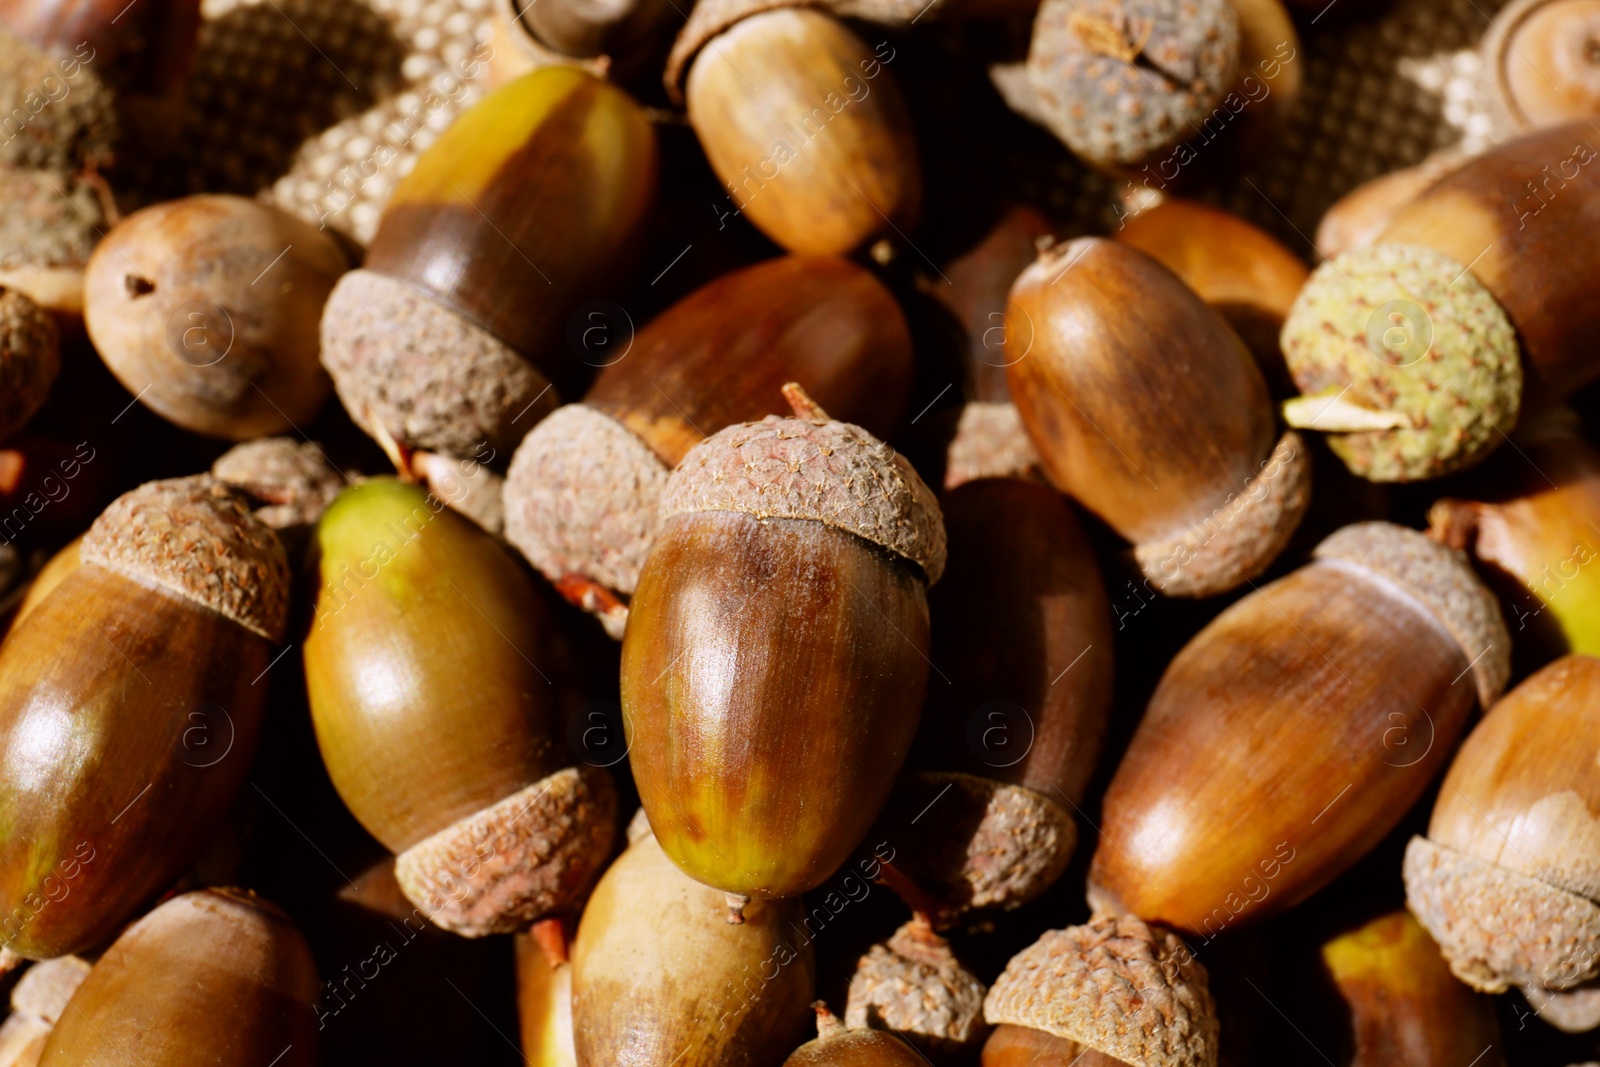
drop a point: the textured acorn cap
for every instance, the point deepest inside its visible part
(989, 443)
(292, 481)
(30, 359)
(51, 220)
(581, 498)
(1241, 537)
(813, 468)
(1498, 928)
(1443, 582)
(426, 376)
(66, 131)
(913, 984)
(1452, 380)
(196, 539)
(535, 852)
(1116, 985)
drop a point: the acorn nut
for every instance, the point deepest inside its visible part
(838, 1046)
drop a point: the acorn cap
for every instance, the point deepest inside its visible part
(581, 498)
(535, 852)
(1405, 359)
(836, 473)
(74, 131)
(1241, 536)
(407, 366)
(1573, 1011)
(915, 986)
(30, 359)
(1116, 985)
(1443, 582)
(1498, 928)
(51, 219)
(989, 442)
(196, 539)
(292, 481)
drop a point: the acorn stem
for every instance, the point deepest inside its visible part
(804, 407)
(924, 906)
(1336, 415)
(828, 1024)
(551, 935)
(736, 903)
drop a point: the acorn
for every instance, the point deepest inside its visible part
(292, 482)
(454, 334)
(660, 978)
(57, 567)
(37, 1001)
(1407, 350)
(623, 31)
(838, 1046)
(795, 553)
(1113, 991)
(247, 992)
(1236, 267)
(1147, 408)
(1357, 218)
(1293, 732)
(116, 691)
(437, 725)
(1403, 1004)
(544, 1000)
(585, 484)
(30, 359)
(1508, 878)
(47, 234)
(1541, 64)
(912, 984)
(820, 154)
(205, 308)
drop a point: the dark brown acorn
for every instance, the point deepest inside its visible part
(584, 486)
(439, 728)
(455, 333)
(127, 710)
(1147, 408)
(836, 1046)
(775, 660)
(214, 976)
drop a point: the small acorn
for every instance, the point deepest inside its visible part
(659, 977)
(292, 481)
(544, 998)
(1147, 408)
(1293, 732)
(1508, 878)
(819, 152)
(206, 307)
(1357, 218)
(912, 984)
(454, 334)
(1404, 1006)
(1541, 64)
(47, 233)
(436, 724)
(585, 484)
(30, 359)
(794, 554)
(837, 1046)
(116, 692)
(247, 991)
(1416, 353)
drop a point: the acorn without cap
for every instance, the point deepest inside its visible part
(116, 692)
(837, 1046)
(1508, 878)
(1541, 64)
(1147, 408)
(454, 334)
(584, 485)
(775, 663)
(438, 727)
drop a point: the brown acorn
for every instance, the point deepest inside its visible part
(247, 990)
(912, 984)
(454, 335)
(117, 692)
(1292, 733)
(794, 554)
(1403, 1003)
(47, 233)
(820, 153)
(1147, 408)
(437, 725)
(1508, 878)
(56, 568)
(659, 977)
(584, 485)
(544, 997)
(837, 1046)
(30, 359)
(1416, 353)
(1541, 64)
(1357, 218)
(205, 308)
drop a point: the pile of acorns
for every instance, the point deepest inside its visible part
(760, 659)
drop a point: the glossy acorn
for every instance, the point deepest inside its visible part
(837, 1046)
(1416, 353)
(1293, 732)
(774, 664)
(247, 991)
(1147, 409)
(584, 485)
(438, 728)
(660, 977)
(454, 333)
(1541, 64)
(1508, 878)
(818, 153)
(205, 308)
(116, 691)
